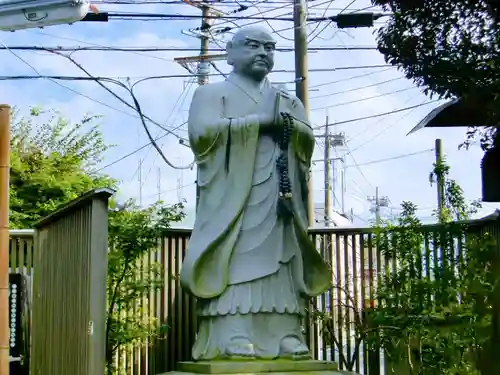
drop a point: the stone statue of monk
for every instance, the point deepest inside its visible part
(252, 269)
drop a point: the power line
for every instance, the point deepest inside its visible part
(131, 153)
(129, 16)
(390, 126)
(380, 114)
(168, 49)
(135, 106)
(144, 146)
(356, 88)
(365, 99)
(359, 169)
(350, 78)
(389, 159)
(105, 78)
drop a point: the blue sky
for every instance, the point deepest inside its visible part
(361, 92)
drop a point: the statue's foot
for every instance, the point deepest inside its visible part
(240, 348)
(293, 347)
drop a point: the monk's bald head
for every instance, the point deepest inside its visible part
(253, 33)
(251, 52)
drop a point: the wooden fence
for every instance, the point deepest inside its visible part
(355, 264)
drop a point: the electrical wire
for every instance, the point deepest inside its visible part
(106, 78)
(178, 104)
(379, 114)
(398, 121)
(389, 159)
(133, 152)
(136, 105)
(355, 89)
(317, 25)
(54, 80)
(349, 78)
(168, 49)
(365, 99)
(358, 168)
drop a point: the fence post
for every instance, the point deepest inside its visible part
(69, 296)
(492, 358)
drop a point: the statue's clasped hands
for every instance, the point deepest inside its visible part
(267, 111)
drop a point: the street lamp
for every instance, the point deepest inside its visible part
(28, 14)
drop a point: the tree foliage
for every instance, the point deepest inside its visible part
(448, 47)
(435, 295)
(134, 233)
(51, 161)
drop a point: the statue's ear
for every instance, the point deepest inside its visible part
(230, 52)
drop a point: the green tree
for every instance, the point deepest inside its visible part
(51, 163)
(435, 295)
(450, 48)
(134, 233)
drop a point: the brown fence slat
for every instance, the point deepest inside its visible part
(353, 255)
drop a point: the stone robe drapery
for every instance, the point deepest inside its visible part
(226, 157)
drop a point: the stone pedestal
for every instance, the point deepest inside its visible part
(256, 367)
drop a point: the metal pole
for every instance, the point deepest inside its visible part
(328, 177)
(158, 184)
(5, 113)
(343, 186)
(377, 207)
(439, 176)
(300, 44)
(140, 182)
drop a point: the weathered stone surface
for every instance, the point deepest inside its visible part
(277, 367)
(250, 261)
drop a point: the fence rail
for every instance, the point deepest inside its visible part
(355, 262)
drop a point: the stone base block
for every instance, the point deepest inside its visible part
(257, 367)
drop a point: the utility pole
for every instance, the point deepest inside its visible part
(140, 182)
(439, 176)
(5, 114)
(203, 69)
(331, 142)
(200, 65)
(301, 82)
(158, 184)
(378, 203)
(328, 177)
(343, 191)
(204, 44)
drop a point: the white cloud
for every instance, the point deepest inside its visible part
(369, 140)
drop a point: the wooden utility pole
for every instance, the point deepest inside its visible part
(439, 176)
(203, 60)
(5, 113)
(203, 78)
(301, 82)
(328, 177)
(204, 42)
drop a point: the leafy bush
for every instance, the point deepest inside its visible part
(134, 233)
(435, 294)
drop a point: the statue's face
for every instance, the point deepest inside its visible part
(252, 54)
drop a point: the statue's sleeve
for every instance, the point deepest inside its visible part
(225, 154)
(208, 126)
(303, 135)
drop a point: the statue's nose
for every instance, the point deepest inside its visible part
(261, 51)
